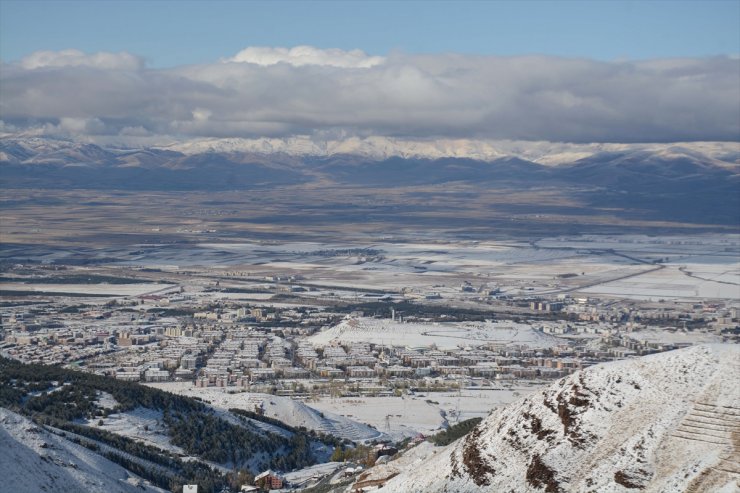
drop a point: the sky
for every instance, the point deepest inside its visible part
(169, 33)
(589, 71)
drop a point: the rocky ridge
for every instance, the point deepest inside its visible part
(667, 422)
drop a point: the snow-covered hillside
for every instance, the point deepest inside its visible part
(32, 460)
(662, 423)
(291, 412)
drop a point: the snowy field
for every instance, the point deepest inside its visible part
(91, 289)
(627, 266)
(713, 281)
(443, 335)
(241, 296)
(677, 337)
(425, 412)
(647, 245)
(689, 267)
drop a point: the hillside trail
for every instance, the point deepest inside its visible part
(711, 430)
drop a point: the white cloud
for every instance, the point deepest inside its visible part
(324, 92)
(306, 55)
(137, 131)
(76, 58)
(81, 126)
(201, 114)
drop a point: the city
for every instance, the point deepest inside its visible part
(326, 246)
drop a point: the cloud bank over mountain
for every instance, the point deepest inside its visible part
(335, 94)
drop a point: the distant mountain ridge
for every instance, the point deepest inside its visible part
(663, 178)
(18, 149)
(381, 157)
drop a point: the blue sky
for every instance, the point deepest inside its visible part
(170, 33)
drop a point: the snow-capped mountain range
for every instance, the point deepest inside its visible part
(19, 149)
(380, 148)
(687, 182)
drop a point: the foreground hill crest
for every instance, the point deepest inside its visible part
(669, 422)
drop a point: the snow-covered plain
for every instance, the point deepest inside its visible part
(620, 266)
(674, 336)
(91, 289)
(443, 335)
(425, 413)
(714, 281)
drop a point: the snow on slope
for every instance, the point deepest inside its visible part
(662, 423)
(141, 424)
(32, 460)
(292, 412)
